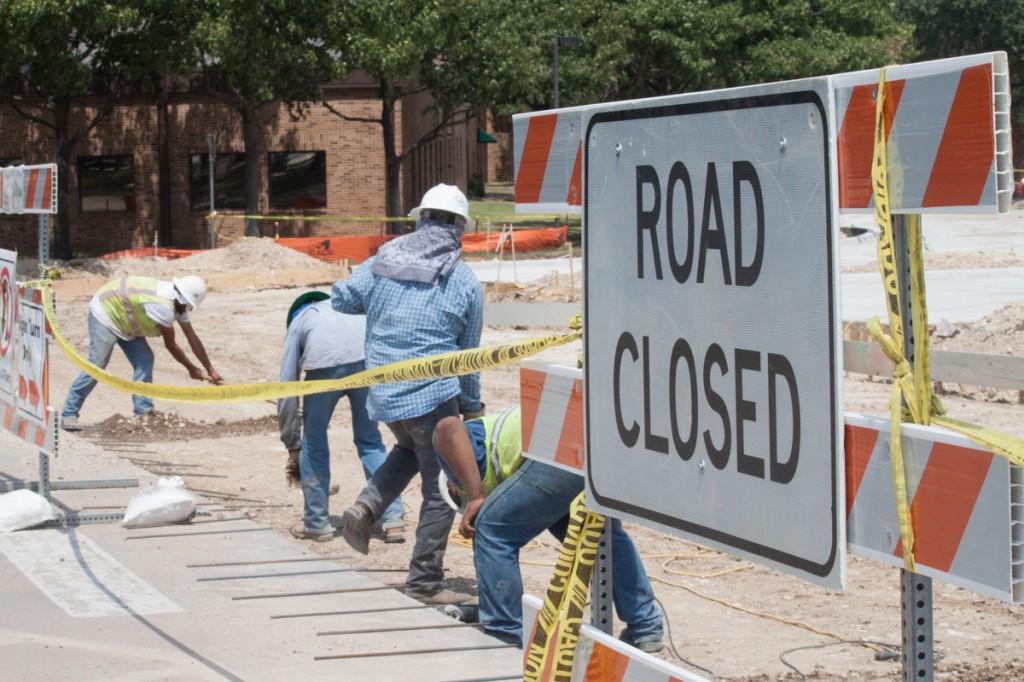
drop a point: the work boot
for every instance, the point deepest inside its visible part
(70, 424)
(357, 526)
(300, 531)
(649, 644)
(392, 535)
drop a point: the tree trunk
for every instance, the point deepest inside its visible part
(165, 229)
(392, 162)
(65, 149)
(253, 139)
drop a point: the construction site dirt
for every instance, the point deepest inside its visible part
(727, 615)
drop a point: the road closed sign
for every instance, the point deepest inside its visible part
(32, 396)
(8, 310)
(713, 405)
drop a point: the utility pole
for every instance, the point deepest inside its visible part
(568, 42)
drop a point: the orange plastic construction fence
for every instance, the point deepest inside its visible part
(359, 248)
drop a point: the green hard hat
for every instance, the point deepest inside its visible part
(304, 299)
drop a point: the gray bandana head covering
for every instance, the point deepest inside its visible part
(426, 255)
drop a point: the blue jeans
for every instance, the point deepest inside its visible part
(535, 498)
(414, 453)
(315, 460)
(101, 346)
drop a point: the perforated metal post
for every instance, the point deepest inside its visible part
(44, 238)
(916, 589)
(602, 614)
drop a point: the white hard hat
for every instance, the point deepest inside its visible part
(191, 289)
(444, 198)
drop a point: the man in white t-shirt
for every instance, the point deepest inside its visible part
(124, 312)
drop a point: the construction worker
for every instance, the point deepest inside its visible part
(124, 312)
(419, 299)
(327, 345)
(509, 500)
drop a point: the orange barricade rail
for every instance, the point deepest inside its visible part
(360, 247)
(150, 252)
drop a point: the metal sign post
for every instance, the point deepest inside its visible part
(915, 589)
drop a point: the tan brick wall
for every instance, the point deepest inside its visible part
(354, 158)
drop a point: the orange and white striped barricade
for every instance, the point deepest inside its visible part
(548, 158)
(602, 658)
(968, 503)
(949, 136)
(29, 189)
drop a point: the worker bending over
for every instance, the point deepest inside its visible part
(509, 500)
(124, 312)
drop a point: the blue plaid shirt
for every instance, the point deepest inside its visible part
(407, 319)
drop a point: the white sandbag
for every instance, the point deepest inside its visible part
(166, 501)
(23, 509)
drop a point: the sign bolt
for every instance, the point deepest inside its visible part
(782, 144)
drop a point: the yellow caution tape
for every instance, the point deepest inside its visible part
(912, 396)
(550, 651)
(438, 366)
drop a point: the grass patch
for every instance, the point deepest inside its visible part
(501, 212)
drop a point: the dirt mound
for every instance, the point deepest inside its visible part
(555, 287)
(1001, 333)
(163, 426)
(250, 253)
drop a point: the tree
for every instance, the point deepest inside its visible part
(657, 47)
(256, 55)
(952, 28)
(466, 55)
(61, 52)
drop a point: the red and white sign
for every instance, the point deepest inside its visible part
(947, 122)
(8, 316)
(29, 189)
(32, 396)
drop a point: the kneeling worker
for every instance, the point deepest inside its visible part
(327, 345)
(124, 312)
(509, 500)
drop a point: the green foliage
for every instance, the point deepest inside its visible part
(951, 28)
(257, 53)
(646, 48)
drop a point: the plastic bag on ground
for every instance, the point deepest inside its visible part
(166, 501)
(24, 509)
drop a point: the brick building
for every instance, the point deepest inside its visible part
(316, 164)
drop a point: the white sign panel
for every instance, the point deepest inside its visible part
(713, 405)
(33, 392)
(8, 310)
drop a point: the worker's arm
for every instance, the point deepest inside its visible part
(451, 443)
(197, 347)
(178, 354)
(350, 295)
(289, 420)
(469, 399)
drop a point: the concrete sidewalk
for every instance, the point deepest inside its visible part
(102, 602)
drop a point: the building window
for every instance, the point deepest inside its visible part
(228, 182)
(106, 183)
(298, 180)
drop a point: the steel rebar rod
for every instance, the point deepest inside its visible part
(375, 588)
(379, 609)
(293, 573)
(414, 652)
(401, 628)
(205, 532)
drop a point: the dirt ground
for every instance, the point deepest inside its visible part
(726, 615)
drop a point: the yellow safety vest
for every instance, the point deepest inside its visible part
(503, 447)
(122, 299)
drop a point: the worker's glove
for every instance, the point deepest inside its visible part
(291, 468)
(470, 414)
